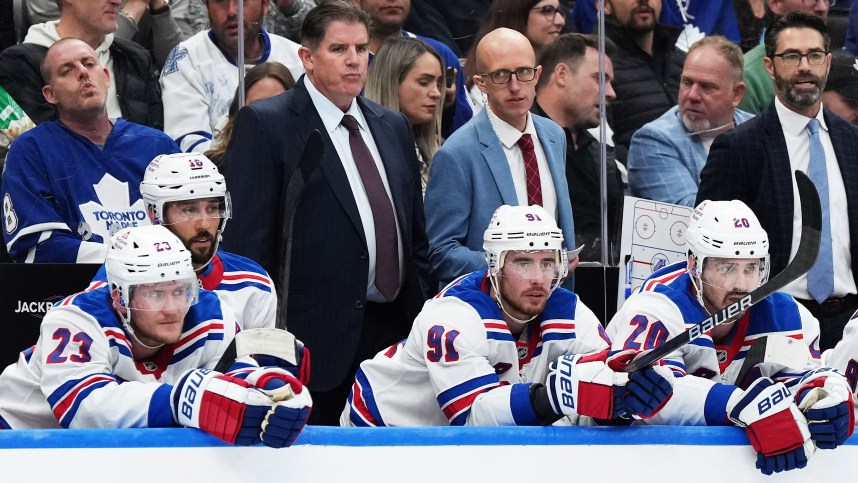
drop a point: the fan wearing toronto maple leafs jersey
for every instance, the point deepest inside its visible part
(138, 351)
(64, 196)
(496, 347)
(728, 258)
(187, 194)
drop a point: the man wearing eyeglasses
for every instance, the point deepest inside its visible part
(755, 163)
(760, 91)
(503, 155)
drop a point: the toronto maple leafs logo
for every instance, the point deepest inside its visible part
(172, 63)
(112, 210)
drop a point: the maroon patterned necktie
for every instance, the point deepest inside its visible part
(386, 248)
(531, 170)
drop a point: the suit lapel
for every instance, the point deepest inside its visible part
(495, 159)
(331, 166)
(845, 147)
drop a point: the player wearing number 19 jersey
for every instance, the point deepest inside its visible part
(480, 351)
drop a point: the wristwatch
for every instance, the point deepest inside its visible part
(162, 9)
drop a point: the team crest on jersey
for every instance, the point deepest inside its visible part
(523, 350)
(150, 366)
(722, 356)
(112, 211)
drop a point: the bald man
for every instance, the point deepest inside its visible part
(503, 156)
(70, 184)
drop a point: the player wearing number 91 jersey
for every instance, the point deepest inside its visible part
(137, 352)
(498, 347)
(728, 258)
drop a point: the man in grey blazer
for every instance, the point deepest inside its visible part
(486, 163)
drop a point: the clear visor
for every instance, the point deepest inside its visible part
(219, 208)
(734, 275)
(532, 265)
(164, 296)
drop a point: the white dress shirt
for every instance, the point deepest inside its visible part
(797, 138)
(332, 117)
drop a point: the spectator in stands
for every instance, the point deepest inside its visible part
(504, 155)
(200, 77)
(841, 90)
(407, 75)
(568, 94)
(388, 16)
(154, 24)
(753, 17)
(647, 67)
(696, 17)
(133, 93)
(151, 24)
(264, 80)
(71, 183)
(453, 22)
(284, 17)
(540, 21)
(759, 90)
(666, 155)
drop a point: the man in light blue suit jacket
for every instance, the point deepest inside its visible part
(471, 174)
(667, 154)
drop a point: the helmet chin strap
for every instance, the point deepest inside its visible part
(126, 322)
(499, 300)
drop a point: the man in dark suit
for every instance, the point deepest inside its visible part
(755, 163)
(359, 263)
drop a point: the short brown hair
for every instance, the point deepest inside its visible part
(731, 52)
(318, 20)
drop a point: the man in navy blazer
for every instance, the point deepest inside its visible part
(755, 163)
(335, 305)
(480, 166)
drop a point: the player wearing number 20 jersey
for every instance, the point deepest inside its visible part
(728, 255)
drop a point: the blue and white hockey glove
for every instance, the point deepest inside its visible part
(592, 385)
(284, 422)
(226, 407)
(776, 428)
(826, 401)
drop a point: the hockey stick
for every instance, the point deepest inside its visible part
(278, 342)
(805, 257)
(777, 351)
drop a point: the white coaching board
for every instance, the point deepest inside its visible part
(653, 237)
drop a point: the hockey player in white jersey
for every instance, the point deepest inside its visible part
(844, 356)
(187, 194)
(505, 346)
(138, 351)
(727, 258)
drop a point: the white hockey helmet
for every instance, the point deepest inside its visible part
(521, 228)
(183, 176)
(147, 255)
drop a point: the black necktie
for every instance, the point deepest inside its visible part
(386, 248)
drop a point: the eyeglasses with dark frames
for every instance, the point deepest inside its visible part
(792, 59)
(549, 11)
(502, 76)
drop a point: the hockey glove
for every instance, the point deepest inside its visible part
(284, 422)
(299, 369)
(648, 389)
(591, 386)
(825, 399)
(776, 428)
(226, 407)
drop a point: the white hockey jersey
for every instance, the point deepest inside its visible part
(844, 356)
(81, 374)
(665, 307)
(198, 83)
(460, 365)
(241, 283)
